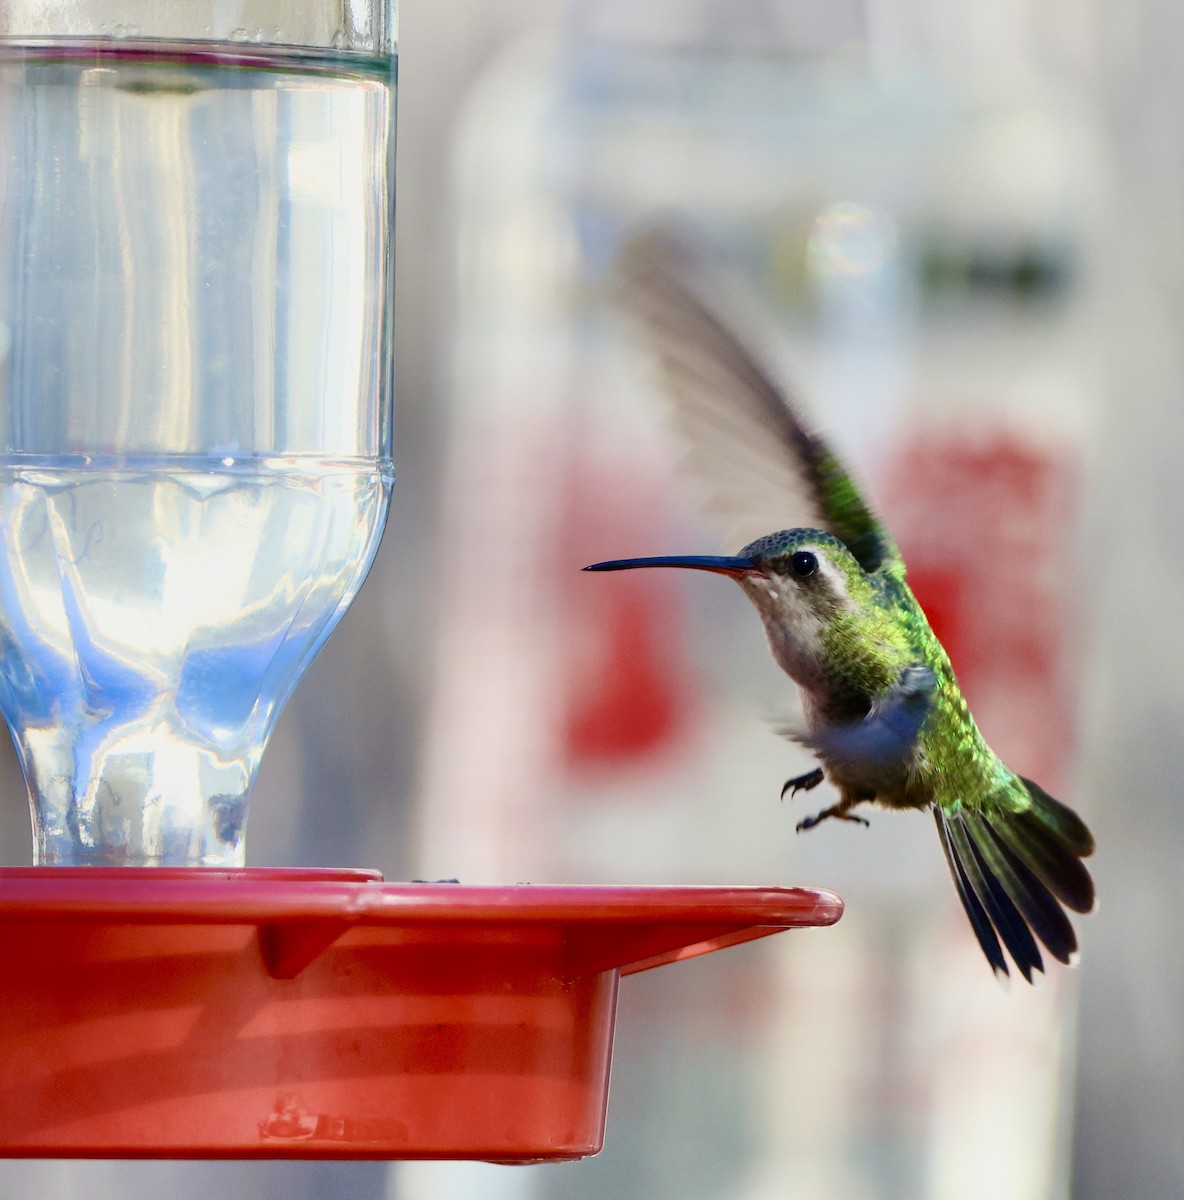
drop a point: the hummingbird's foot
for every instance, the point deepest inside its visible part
(838, 811)
(802, 783)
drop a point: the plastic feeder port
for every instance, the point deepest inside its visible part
(326, 1014)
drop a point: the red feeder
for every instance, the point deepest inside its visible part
(196, 1013)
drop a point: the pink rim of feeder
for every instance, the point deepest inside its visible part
(202, 1013)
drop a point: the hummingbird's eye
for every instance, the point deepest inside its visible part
(803, 564)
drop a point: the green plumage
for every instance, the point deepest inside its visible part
(884, 713)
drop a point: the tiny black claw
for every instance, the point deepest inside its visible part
(802, 783)
(837, 813)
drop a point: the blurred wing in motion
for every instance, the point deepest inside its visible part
(886, 735)
(746, 441)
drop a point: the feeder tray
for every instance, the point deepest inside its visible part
(201, 1013)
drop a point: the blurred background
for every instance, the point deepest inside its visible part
(959, 231)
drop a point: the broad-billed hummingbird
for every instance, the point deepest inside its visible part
(883, 712)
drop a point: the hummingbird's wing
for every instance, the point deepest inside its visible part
(885, 737)
(763, 469)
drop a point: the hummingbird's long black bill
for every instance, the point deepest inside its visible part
(721, 564)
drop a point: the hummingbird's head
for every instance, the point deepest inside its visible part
(800, 580)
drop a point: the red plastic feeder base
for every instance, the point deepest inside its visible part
(166, 1013)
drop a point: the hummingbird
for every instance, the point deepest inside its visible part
(883, 713)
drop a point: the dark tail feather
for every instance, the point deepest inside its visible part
(1060, 821)
(1014, 871)
(980, 922)
(993, 898)
(1039, 906)
(1052, 840)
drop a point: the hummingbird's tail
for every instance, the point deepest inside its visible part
(1016, 873)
